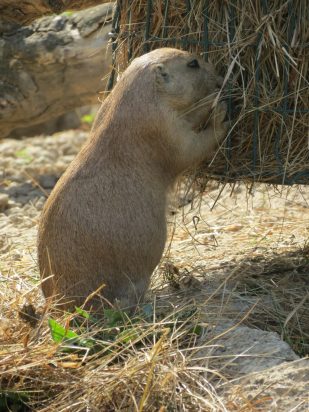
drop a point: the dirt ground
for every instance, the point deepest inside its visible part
(242, 257)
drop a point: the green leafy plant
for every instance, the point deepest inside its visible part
(88, 118)
(67, 13)
(13, 401)
(59, 333)
(23, 154)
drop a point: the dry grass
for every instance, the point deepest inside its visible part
(133, 365)
(150, 363)
(260, 50)
(142, 365)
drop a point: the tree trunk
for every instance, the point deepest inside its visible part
(25, 12)
(53, 66)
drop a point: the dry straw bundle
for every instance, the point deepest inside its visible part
(261, 50)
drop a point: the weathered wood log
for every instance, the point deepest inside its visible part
(25, 12)
(55, 65)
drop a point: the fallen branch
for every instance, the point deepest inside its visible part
(55, 65)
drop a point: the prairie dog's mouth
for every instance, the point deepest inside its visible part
(205, 102)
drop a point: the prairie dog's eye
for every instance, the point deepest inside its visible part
(194, 64)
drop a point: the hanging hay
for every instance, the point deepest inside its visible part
(261, 50)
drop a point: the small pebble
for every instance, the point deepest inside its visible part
(47, 181)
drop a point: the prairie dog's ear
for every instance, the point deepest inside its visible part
(162, 75)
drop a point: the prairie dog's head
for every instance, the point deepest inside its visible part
(180, 77)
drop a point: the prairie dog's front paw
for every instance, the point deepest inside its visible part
(219, 113)
(217, 121)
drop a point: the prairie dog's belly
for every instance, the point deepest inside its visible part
(102, 230)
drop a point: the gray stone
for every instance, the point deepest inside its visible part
(18, 190)
(282, 388)
(242, 350)
(48, 181)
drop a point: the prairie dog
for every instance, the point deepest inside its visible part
(104, 224)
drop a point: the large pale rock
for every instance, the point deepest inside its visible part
(241, 350)
(283, 388)
(252, 350)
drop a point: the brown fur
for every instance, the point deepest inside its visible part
(104, 223)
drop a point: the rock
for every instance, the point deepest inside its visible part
(68, 150)
(243, 350)
(282, 388)
(22, 200)
(4, 201)
(48, 181)
(18, 190)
